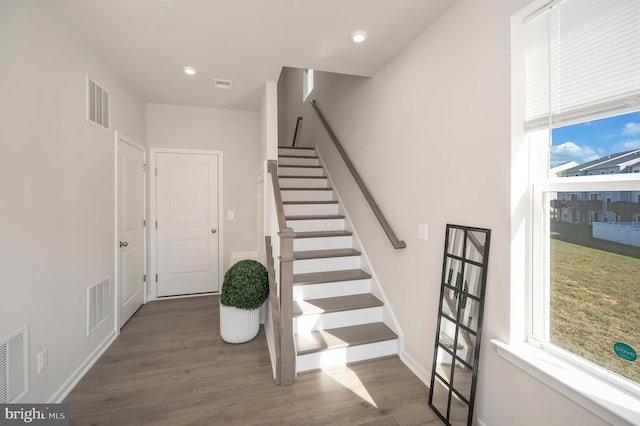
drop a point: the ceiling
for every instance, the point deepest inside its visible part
(147, 42)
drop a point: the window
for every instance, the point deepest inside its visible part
(583, 105)
(307, 84)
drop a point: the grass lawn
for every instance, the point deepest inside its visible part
(595, 302)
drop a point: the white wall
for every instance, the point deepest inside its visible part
(268, 150)
(290, 105)
(56, 188)
(431, 137)
(237, 134)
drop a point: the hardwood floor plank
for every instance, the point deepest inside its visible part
(169, 366)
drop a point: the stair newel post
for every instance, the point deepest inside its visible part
(287, 348)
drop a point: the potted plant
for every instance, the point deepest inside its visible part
(244, 290)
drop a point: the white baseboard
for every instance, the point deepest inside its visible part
(423, 374)
(66, 388)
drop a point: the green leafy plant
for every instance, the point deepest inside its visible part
(245, 285)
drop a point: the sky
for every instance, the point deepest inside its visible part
(594, 139)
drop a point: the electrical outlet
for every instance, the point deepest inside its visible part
(231, 215)
(43, 359)
(423, 231)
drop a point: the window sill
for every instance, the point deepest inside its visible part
(601, 398)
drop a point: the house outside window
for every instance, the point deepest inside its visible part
(585, 260)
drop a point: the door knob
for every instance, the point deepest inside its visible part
(214, 230)
(123, 243)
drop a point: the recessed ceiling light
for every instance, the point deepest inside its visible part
(189, 70)
(358, 36)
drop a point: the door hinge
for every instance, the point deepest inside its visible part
(156, 277)
(144, 168)
(156, 224)
(144, 223)
(156, 171)
(144, 278)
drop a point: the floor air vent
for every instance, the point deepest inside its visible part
(14, 367)
(98, 298)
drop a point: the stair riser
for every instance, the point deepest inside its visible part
(316, 225)
(298, 161)
(299, 152)
(307, 323)
(334, 289)
(303, 183)
(322, 243)
(326, 264)
(300, 171)
(342, 356)
(307, 195)
(310, 209)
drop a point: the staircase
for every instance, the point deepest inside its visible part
(337, 319)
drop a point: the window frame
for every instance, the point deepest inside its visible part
(539, 304)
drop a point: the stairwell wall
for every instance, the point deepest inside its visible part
(431, 136)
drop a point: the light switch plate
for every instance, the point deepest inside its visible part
(43, 360)
(423, 231)
(231, 215)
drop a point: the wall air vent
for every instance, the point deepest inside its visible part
(222, 84)
(14, 367)
(98, 298)
(97, 104)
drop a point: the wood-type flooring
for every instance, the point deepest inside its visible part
(169, 366)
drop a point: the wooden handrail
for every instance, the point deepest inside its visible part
(296, 133)
(395, 241)
(272, 167)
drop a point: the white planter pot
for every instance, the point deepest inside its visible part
(238, 325)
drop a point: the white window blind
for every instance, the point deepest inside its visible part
(583, 62)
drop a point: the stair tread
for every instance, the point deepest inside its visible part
(304, 166)
(286, 203)
(296, 188)
(315, 217)
(330, 276)
(322, 254)
(335, 304)
(300, 177)
(295, 147)
(315, 157)
(323, 234)
(342, 337)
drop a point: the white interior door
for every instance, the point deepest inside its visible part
(130, 228)
(187, 228)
